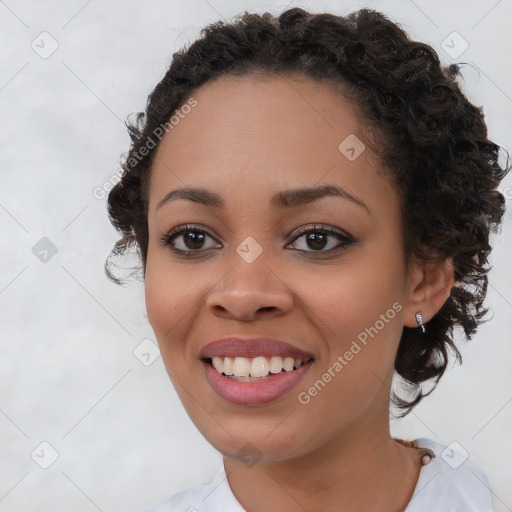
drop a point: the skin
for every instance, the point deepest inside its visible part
(247, 139)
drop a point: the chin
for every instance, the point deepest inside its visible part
(254, 446)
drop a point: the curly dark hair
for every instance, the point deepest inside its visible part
(431, 140)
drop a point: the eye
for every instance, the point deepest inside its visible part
(186, 240)
(317, 238)
(190, 239)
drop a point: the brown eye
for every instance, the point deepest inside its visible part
(323, 240)
(191, 240)
(187, 239)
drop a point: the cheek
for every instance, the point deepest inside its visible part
(171, 295)
(358, 316)
(355, 299)
(361, 325)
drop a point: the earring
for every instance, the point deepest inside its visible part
(419, 319)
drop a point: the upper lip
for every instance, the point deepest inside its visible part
(252, 347)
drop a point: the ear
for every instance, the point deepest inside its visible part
(429, 286)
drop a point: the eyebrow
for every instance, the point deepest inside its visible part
(281, 200)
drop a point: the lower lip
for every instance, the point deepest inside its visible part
(261, 392)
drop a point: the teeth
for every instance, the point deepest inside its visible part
(254, 367)
(288, 363)
(276, 364)
(218, 363)
(259, 367)
(242, 366)
(228, 365)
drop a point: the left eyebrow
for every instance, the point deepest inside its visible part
(284, 199)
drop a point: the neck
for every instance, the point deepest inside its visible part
(359, 469)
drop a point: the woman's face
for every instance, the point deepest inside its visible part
(339, 297)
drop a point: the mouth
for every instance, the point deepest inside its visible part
(234, 380)
(253, 371)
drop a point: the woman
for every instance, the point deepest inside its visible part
(311, 197)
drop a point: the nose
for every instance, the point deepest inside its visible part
(249, 291)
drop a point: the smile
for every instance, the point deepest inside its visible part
(254, 381)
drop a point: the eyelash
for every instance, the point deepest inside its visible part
(345, 240)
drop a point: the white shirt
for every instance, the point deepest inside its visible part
(449, 483)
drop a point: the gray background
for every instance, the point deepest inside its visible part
(72, 373)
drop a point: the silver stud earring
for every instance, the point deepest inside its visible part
(419, 319)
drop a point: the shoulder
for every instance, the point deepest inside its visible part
(213, 497)
(450, 482)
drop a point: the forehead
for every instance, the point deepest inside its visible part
(264, 111)
(264, 132)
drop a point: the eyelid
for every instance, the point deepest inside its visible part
(297, 232)
(345, 240)
(189, 227)
(322, 227)
(166, 238)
